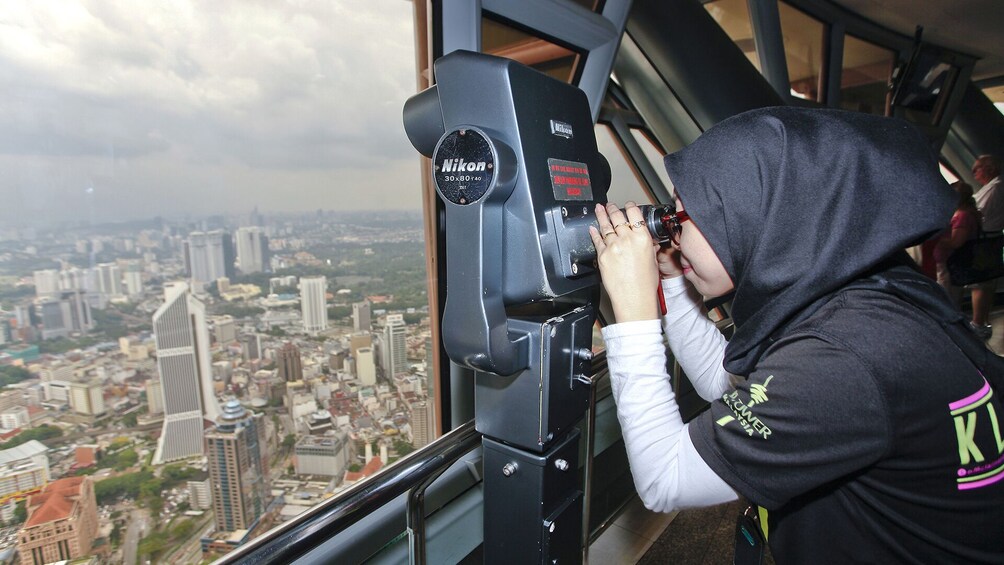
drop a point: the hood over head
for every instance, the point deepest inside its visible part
(798, 202)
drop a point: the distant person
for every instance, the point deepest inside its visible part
(990, 201)
(965, 225)
(853, 402)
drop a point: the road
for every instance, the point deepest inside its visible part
(137, 529)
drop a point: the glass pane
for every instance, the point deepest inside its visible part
(996, 95)
(947, 173)
(590, 5)
(655, 156)
(803, 48)
(504, 40)
(734, 17)
(864, 81)
(624, 183)
(211, 243)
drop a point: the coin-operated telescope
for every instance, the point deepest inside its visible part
(515, 163)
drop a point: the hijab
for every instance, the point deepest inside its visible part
(798, 203)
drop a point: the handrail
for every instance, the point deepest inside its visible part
(290, 540)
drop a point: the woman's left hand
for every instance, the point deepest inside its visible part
(625, 253)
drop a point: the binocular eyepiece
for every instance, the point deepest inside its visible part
(659, 219)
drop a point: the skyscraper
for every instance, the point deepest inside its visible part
(365, 367)
(361, 316)
(313, 303)
(422, 425)
(289, 363)
(109, 279)
(252, 249)
(237, 468)
(46, 282)
(183, 361)
(250, 346)
(210, 255)
(394, 352)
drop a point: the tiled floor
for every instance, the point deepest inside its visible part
(626, 540)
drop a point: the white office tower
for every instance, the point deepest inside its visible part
(394, 351)
(87, 398)
(361, 316)
(46, 282)
(206, 256)
(313, 303)
(365, 366)
(252, 250)
(422, 420)
(110, 279)
(186, 379)
(134, 282)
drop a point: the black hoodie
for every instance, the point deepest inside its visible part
(797, 203)
(866, 425)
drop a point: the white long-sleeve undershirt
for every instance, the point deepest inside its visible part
(667, 470)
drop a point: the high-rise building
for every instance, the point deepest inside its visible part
(422, 423)
(251, 346)
(109, 279)
(62, 522)
(365, 366)
(357, 341)
(252, 249)
(224, 330)
(73, 278)
(63, 313)
(314, 304)
(210, 255)
(361, 316)
(289, 363)
(184, 364)
(395, 351)
(154, 397)
(237, 468)
(134, 281)
(46, 282)
(87, 398)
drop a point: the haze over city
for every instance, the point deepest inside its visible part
(125, 111)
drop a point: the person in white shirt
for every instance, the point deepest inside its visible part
(990, 201)
(853, 403)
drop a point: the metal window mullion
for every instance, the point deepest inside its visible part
(638, 160)
(561, 20)
(460, 25)
(834, 63)
(597, 35)
(765, 18)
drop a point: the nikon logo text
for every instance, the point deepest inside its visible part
(459, 165)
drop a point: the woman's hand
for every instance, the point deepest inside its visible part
(668, 259)
(625, 253)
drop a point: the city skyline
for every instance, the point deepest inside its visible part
(119, 112)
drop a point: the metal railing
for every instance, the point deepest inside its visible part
(412, 475)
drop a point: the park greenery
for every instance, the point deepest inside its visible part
(12, 374)
(41, 433)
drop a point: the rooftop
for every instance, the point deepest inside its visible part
(55, 502)
(23, 451)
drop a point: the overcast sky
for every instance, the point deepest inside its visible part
(127, 110)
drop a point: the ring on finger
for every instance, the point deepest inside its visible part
(637, 224)
(621, 224)
(608, 233)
